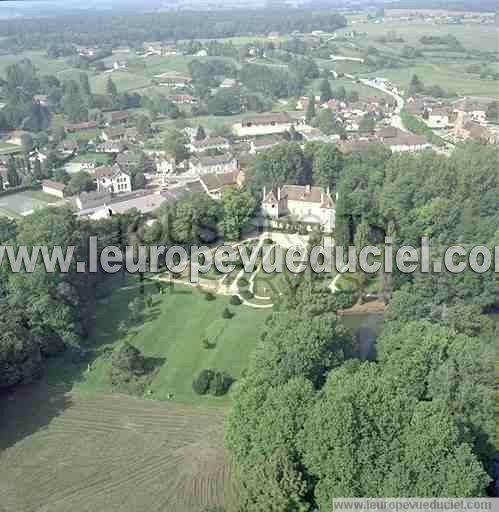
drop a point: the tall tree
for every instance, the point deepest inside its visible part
(12, 174)
(325, 90)
(111, 88)
(310, 114)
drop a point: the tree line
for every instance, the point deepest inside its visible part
(112, 30)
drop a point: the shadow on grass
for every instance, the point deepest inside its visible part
(112, 314)
(28, 409)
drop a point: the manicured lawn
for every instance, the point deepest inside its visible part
(173, 329)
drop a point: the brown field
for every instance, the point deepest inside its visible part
(61, 451)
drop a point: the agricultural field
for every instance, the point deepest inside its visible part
(472, 36)
(63, 451)
(437, 65)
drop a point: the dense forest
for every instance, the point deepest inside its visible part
(310, 420)
(111, 30)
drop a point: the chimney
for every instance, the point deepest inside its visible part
(264, 192)
(328, 191)
(307, 189)
(278, 193)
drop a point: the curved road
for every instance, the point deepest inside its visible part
(396, 120)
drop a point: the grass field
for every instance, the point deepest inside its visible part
(437, 66)
(63, 451)
(45, 65)
(172, 330)
(9, 149)
(445, 75)
(472, 36)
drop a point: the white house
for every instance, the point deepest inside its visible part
(264, 124)
(209, 143)
(437, 118)
(53, 188)
(305, 204)
(263, 143)
(113, 179)
(400, 141)
(212, 165)
(228, 83)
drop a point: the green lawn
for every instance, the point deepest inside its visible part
(9, 149)
(172, 329)
(99, 158)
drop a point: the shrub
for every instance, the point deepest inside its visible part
(201, 383)
(344, 299)
(208, 344)
(127, 363)
(215, 382)
(220, 384)
(209, 296)
(243, 282)
(235, 301)
(227, 314)
(148, 301)
(246, 294)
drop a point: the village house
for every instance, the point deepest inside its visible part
(215, 184)
(53, 188)
(120, 65)
(113, 134)
(68, 146)
(144, 201)
(42, 99)
(183, 99)
(111, 146)
(399, 141)
(263, 143)
(93, 199)
(228, 83)
(264, 124)
(80, 127)
(437, 118)
(16, 138)
(172, 80)
(209, 143)
(478, 133)
(117, 117)
(305, 204)
(356, 145)
(212, 164)
(113, 179)
(474, 110)
(80, 165)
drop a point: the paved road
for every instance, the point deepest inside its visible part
(396, 120)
